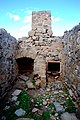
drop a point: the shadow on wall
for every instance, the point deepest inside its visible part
(7, 61)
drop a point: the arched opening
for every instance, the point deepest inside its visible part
(25, 65)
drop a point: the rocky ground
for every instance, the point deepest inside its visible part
(28, 101)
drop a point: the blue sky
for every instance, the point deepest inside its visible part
(15, 15)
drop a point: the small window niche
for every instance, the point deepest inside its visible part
(53, 70)
(53, 66)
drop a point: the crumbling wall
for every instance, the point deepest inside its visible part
(71, 40)
(41, 45)
(7, 61)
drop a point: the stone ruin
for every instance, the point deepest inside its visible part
(40, 54)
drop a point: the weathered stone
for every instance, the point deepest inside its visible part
(48, 89)
(20, 112)
(3, 118)
(70, 92)
(44, 102)
(34, 110)
(78, 90)
(52, 117)
(59, 108)
(31, 33)
(16, 92)
(30, 84)
(8, 70)
(14, 98)
(38, 83)
(67, 116)
(23, 77)
(24, 119)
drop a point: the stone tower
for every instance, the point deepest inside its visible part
(41, 21)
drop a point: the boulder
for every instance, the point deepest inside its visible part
(20, 112)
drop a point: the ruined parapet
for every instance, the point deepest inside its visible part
(7, 61)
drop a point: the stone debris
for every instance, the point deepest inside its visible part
(24, 77)
(14, 98)
(52, 117)
(30, 84)
(16, 92)
(68, 116)
(24, 119)
(20, 112)
(34, 110)
(78, 90)
(59, 108)
(70, 92)
(6, 107)
(44, 102)
(17, 103)
(3, 118)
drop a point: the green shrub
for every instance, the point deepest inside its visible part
(46, 115)
(70, 105)
(66, 91)
(33, 81)
(52, 106)
(24, 99)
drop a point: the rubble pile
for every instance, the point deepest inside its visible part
(53, 98)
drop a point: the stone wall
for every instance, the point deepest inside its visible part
(41, 21)
(71, 40)
(7, 61)
(41, 45)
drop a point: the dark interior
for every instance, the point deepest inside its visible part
(25, 65)
(54, 66)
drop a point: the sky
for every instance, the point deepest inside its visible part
(16, 15)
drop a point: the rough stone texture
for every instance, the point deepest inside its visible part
(24, 119)
(43, 23)
(41, 45)
(7, 61)
(20, 112)
(16, 92)
(68, 116)
(71, 42)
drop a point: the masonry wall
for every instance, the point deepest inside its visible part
(72, 55)
(41, 45)
(7, 61)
